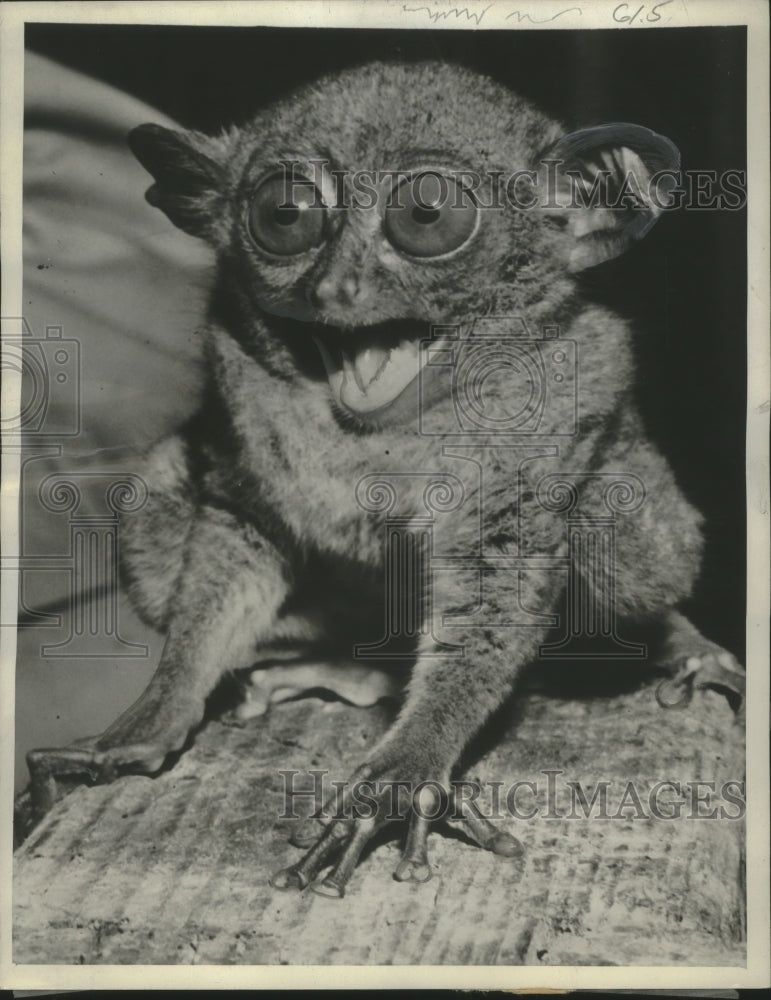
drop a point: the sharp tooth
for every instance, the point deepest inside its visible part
(347, 363)
(335, 374)
(330, 364)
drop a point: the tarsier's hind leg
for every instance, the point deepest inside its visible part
(226, 600)
(657, 558)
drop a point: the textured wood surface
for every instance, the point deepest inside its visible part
(175, 869)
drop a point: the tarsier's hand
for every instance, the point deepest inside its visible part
(137, 742)
(393, 785)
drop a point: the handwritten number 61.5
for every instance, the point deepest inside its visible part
(622, 14)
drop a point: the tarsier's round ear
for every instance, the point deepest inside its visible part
(188, 183)
(614, 181)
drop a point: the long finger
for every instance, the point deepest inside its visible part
(334, 884)
(414, 866)
(301, 874)
(481, 830)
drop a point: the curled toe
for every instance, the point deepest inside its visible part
(505, 845)
(288, 878)
(329, 887)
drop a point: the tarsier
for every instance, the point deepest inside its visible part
(363, 226)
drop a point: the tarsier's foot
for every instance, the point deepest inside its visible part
(351, 681)
(715, 668)
(696, 663)
(137, 742)
(373, 798)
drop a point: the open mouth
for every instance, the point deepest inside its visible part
(369, 367)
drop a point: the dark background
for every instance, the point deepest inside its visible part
(685, 284)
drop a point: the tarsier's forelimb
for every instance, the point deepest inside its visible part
(449, 700)
(223, 604)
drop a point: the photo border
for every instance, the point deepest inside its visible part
(418, 15)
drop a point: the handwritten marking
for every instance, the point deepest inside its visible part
(542, 20)
(436, 15)
(651, 16)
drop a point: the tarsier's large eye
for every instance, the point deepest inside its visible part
(430, 215)
(287, 215)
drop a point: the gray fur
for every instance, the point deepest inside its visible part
(252, 533)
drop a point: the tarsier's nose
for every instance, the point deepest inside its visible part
(333, 290)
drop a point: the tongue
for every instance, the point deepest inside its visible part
(368, 363)
(371, 376)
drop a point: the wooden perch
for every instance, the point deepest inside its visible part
(174, 869)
